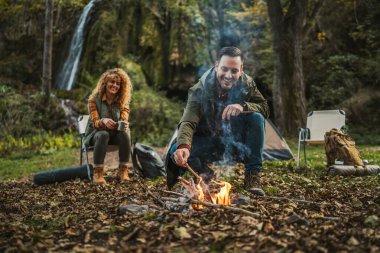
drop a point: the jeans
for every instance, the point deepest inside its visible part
(242, 140)
(103, 138)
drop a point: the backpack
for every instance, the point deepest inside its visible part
(147, 162)
(340, 146)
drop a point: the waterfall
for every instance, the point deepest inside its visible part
(67, 75)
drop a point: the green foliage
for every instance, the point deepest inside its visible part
(44, 143)
(340, 81)
(135, 73)
(153, 117)
(26, 114)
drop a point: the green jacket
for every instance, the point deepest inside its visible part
(103, 110)
(205, 105)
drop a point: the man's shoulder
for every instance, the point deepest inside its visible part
(247, 80)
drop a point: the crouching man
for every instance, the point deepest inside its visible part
(225, 113)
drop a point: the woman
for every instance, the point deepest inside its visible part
(107, 105)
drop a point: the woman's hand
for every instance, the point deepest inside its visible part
(109, 123)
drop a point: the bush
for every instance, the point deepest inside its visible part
(153, 117)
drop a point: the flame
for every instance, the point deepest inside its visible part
(223, 196)
(201, 192)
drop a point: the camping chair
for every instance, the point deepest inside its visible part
(318, 123)
(82, 124)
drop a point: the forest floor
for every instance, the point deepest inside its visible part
(304, 211)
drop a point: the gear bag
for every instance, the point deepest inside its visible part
(341, 147)
(147, 162)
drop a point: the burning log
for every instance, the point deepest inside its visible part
(210, 205)
(218, 192)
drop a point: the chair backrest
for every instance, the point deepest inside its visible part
(320, 122)
(82, 124)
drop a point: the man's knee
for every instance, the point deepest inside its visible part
(257, 119)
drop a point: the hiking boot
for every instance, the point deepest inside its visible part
(252, 183)
(123, 173)
(99, 176)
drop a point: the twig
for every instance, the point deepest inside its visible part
(151, 194)
(184, 181)
(170, 199)
(290, 199)
(129, 236)
(329, 218)
(200, 181)
(192, 171)
(174, 193)
(233, 209)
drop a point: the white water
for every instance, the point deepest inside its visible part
(67, 75)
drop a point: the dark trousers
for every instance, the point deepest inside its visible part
(103, 138)
(242, 140)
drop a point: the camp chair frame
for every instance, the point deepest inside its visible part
(318, 123)
(82, 124)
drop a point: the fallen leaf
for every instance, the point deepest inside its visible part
(372, 221)
(181, 233)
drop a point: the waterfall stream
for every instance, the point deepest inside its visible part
(69, 70)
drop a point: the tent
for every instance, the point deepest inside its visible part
(275, 147)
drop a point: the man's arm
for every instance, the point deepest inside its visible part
(187, 126)
(256, 101)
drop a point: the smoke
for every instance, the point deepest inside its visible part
(233, 149)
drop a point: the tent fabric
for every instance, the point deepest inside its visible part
(275, 147)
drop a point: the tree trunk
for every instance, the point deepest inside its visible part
(289, 97)
(48, 48)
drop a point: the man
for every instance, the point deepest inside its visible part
(224, 118)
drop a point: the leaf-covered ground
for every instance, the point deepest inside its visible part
(342, 216)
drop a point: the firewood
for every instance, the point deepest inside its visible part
(233, 209)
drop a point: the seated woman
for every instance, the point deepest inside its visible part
(109, 104)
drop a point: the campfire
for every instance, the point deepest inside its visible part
(216, 192)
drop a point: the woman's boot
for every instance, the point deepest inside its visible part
(99, 175)
(123, 173)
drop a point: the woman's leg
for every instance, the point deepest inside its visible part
(100, 142)
(123, 140)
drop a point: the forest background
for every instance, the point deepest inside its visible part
(165, 46)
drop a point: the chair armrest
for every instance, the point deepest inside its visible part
(304, 133)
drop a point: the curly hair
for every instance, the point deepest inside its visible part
(124, 95)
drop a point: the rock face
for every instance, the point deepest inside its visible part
(169, 40)
(21, 40)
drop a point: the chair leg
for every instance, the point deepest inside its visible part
(300, 139)
(85, 150)
(81, 152)
(88, 164)
(304, 152)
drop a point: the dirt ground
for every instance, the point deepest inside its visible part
(300, 214)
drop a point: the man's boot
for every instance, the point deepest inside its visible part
(99, 176)
(123, 173)
(252, 183)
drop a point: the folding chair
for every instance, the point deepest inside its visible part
(82, 124)
(318, 123)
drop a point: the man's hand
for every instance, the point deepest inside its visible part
(110, 124)
(231, 110)
(180, 156)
